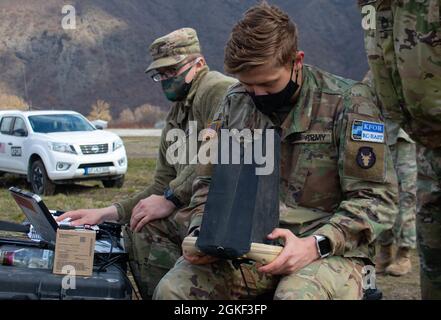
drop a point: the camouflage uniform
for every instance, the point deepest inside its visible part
(429, 220)
(154, 250)
(404, 53)
(322, 168)
(403, 150)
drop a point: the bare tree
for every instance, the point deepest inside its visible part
(100, 111)
(147, 115)
(126, 118)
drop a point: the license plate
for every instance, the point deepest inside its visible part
(98, 170)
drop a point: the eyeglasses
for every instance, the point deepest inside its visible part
(172, 72)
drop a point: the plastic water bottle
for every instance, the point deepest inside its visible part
(26, 257)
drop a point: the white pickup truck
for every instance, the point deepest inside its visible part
(59, 147)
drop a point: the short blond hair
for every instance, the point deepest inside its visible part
(265, 33)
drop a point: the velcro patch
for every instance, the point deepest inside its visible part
(365, 161)
(313, 137)
(366, 131)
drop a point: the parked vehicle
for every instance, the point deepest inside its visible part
(59, 147)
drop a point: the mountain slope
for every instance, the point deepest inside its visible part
(105, 57)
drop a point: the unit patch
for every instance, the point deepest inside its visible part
(366, 158)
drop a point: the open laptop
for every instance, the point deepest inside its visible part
(44, 223)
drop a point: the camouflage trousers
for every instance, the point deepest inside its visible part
(404, 231)
(429, 221)
(153, 252)
(331, 278)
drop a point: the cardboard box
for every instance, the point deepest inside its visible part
(74, 250)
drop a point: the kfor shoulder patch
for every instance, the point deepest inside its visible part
(366, 131)
(365, 151)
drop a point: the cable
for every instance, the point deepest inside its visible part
(111, 243)
(108, 263)
(112, 262)
(130, 281)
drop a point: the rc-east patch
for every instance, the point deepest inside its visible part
(365, 150)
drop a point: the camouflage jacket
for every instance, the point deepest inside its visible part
(404, 53)
(207, 91)
(331, 183)
(393, 129)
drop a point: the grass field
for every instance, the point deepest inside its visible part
(142, 153)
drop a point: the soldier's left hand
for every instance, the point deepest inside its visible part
(297, 253)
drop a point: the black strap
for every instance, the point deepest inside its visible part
(13, 227)
(237, 264)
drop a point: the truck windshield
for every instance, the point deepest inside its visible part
(59, 123)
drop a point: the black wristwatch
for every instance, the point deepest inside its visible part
(323, 246)
(170, 196)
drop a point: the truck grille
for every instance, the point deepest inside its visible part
(95, 148)
(96, 165)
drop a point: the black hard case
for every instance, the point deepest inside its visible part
(41, 284)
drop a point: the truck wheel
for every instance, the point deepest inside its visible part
(115, 183)
(40, 182)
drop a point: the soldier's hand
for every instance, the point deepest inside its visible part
(297, 253)
(90, 216)
(150, 209)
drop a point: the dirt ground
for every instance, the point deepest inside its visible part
(142, 153)
(402, 288)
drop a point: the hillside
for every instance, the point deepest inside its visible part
(105, 57)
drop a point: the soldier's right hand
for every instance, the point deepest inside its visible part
(90, 216)
(152, 208)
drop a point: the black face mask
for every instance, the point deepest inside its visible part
(270, 103)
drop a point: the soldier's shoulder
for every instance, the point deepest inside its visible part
(356, 96)
(236, 89)
(237, 102)
(213, 85)
(327, 82)
(237, 95)
(217, 78)
(360, 99)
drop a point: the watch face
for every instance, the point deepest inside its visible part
(325, 246)
(168, 194)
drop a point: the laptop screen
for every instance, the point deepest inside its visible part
(44, 223)
(37, 213)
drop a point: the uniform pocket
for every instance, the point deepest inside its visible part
(314, 178)
(163, 253)
(296, 173)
